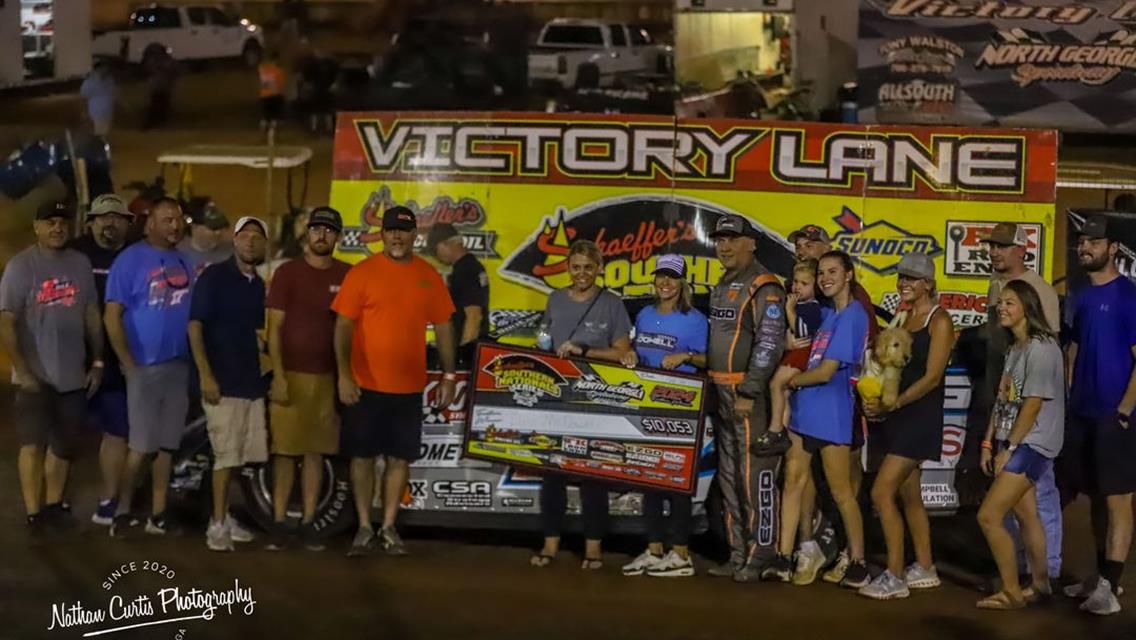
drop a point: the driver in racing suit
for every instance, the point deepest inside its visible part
(747, 333)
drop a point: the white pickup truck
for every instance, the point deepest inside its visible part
(186, 32)
(612, 49)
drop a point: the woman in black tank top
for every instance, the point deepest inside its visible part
(911, 432)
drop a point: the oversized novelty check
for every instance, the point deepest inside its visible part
(586, 418)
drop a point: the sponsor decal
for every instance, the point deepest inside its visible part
(1033, 58)
(542, 441)
(493, 433)
(607, 457)
(953, 162)
(466, 214)
(500, 147)
(674, 456)
(921, 54)
(528, 378)
(517, 502)
(918, 94)
(1062, 14)
(670, 466)
(953, 438)
(879, 246)
(595, 389)
(415, 496)
(463, 493)
(439, 452)
(967, 255)
(608, 446)
(655, 475)
(642, 459)
(766, 505)
(578, 446)
(773, 312)
(455, 413)
(967, 309)
(939, 495)
(673, 395)
(631, 232)
(723, 313)
(661, 341)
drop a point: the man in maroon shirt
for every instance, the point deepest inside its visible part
(301, 328)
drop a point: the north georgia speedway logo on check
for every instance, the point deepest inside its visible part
(967, 255)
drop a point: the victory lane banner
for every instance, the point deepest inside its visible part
(585, 418)
(520, 187)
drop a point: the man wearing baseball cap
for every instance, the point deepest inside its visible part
(1008, 246)
(810, 241)
(1100, 439)
(384, 307)
(49, 326)
(226, 313)
(108, 221)
(301, 331)
(468, 283)
(206, 231)
(747, 336)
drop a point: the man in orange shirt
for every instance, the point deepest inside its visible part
(384, 306)
(270, 77)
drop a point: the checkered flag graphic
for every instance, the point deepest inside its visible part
(1019, 36)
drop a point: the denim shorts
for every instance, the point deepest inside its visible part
(1027, 461)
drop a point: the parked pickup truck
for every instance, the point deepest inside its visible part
(606, 51)
(187, 33)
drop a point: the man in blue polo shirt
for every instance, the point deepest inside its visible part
(227, 312)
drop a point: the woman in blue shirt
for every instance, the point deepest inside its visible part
(669, 334)
(822, 411)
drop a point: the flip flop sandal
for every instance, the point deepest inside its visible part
(1036, 596)
(1000, 602)
(591, 564)
(542, 560)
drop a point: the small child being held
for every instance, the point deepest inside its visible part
(803, 311)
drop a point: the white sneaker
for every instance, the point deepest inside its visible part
(885, 587)
(237, 532)
(672, 565)
(810, 559)
(835, 575)
(1085, 588)
(642, 564)
(917, 577)
(1102, 601)
(218, 537)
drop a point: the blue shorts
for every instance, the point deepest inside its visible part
(1029, 462)
(107, 410)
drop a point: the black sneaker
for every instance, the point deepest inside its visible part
(310, 537)
(392, 542)
(770, 444)
(159, 525)
(857, 575)
(724, 570)
(37, 526)
(277, 539)
(57, 517)
(124, 525)
(780, 570)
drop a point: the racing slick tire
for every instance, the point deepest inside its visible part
(335, 507)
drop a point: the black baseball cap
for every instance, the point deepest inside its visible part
(326, 217)
(53, 209)
(399, 217)
(441, 232)
(1096, 227)
(731, 225)
(810, 232)
(210, 217)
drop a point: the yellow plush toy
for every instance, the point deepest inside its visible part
(880, 383)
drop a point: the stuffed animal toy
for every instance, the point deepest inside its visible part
(885, 364)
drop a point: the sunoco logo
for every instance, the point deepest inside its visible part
(879, 246)
(528, 378)
(632, 232)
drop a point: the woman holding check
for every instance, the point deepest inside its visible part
(669, 334)
(582, 320)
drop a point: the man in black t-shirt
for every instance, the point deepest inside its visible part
(469, 287)
(108, 222)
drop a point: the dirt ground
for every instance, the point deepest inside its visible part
(458, 584)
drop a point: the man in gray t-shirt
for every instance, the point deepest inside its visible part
(50, 327)
(1034, 371)
(596, 323)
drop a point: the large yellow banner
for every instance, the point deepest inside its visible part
(521, 187)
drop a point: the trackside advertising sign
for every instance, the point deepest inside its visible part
(521, 187)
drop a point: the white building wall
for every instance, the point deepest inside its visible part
(72, 38)
(11, 46)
